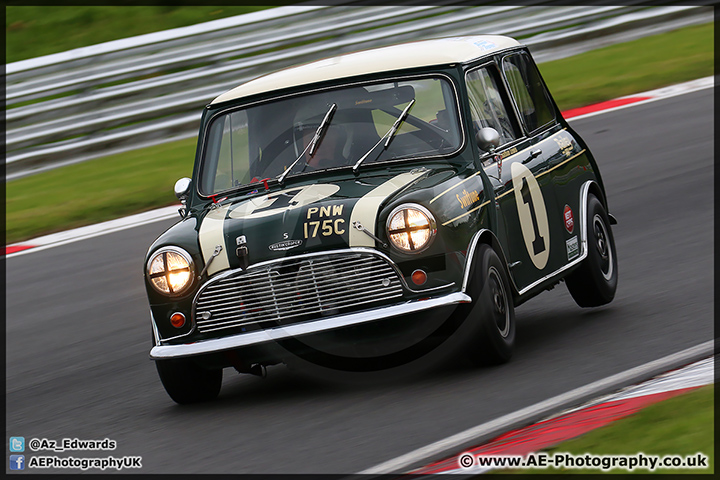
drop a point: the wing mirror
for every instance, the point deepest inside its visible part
(182, 190)
(487, 139)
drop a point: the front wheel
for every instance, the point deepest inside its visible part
(491, 311)
(595, 281)
(187, 382)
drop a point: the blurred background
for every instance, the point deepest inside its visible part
(85, 82)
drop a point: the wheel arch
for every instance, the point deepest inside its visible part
(589, 187)
(595, 189)
(486, 237)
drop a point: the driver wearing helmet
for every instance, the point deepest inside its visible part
(329, 147)
(328, 151)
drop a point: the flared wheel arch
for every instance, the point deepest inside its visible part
(486, 237)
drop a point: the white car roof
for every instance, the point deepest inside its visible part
(440, 51)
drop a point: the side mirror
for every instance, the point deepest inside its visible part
(487, 139)
(182, 188)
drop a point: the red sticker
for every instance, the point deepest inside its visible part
(569, 221)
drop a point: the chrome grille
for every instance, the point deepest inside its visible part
(295, 290)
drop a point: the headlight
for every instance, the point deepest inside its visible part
(170, 270)
(411, 228)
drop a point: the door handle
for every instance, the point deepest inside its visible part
(533, 154)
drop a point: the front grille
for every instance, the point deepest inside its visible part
(295, 290)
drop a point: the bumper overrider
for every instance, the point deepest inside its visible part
(299, 296)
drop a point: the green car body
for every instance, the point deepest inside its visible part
(274, 262)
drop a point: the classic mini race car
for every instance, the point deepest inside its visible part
(361, 211)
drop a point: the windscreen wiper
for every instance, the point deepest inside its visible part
(389, 135)
(314, 143)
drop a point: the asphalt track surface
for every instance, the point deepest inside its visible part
(78, 333)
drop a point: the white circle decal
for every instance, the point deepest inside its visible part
(532, 213)
(278, 202)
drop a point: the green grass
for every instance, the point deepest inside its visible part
(96, 190)
(682, 425)
(33, 31)
(111, 187)
(631, 67)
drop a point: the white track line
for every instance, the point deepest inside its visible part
(90, 231)
(694, 375)
(527, 415)
(111, 226)
(655, 95)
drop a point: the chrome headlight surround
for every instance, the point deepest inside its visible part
(170, 271)
(411, 218)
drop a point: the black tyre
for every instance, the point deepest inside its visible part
(491, 313)
(595, 281)
(187, 382)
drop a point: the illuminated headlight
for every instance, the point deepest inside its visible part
(170, 270)
(411, 228)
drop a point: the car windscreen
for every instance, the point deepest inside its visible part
(246, 145)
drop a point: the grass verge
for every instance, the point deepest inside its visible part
(626, 68)
(113, 186)
(681, 425)
(96, 190)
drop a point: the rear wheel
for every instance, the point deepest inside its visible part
(595, 281)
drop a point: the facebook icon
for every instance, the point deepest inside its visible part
(17, 462)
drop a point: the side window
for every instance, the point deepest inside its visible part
(486, 106)
(528, 91)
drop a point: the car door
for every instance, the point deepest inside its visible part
(523, 195)
(568, 161)
(538, 119)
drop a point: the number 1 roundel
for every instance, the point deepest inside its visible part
(532, 213)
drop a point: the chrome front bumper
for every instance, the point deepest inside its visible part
(161, 352)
